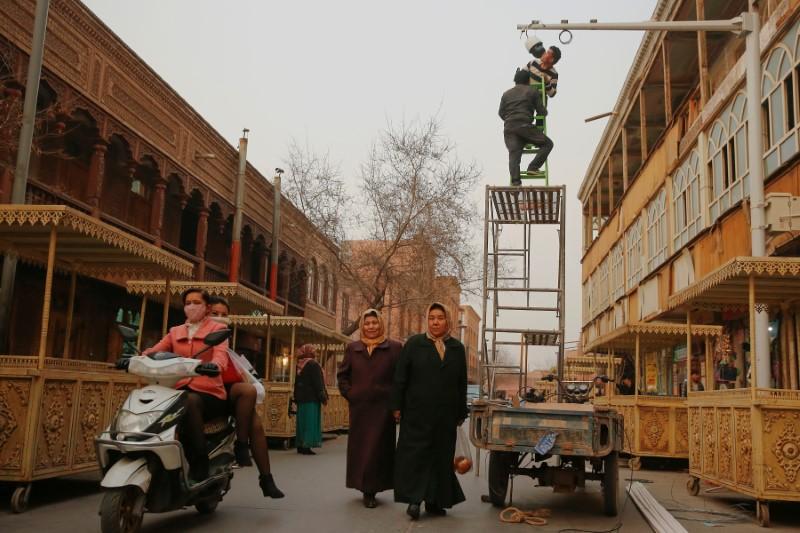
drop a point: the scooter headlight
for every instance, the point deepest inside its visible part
(128, 422)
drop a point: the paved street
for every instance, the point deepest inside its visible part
(318, 501)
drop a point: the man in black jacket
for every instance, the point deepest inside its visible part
(517, 109)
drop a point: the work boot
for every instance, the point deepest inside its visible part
(268, 487)
(413, 511)
(516, 183)
(242, 452)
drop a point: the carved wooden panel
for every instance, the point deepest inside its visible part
(276, 412)
(709, 440)
(681, 431)
(744, 447)
(14, 401)
(654, 429)
(91, 414)
(55, 423)
(695, 439)
(725, 428)
(629, 425)
(781, 449)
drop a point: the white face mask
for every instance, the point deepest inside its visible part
(225, 321)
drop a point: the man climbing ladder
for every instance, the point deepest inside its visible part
(518, 107)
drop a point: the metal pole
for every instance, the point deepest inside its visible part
(165, 319)
(484, 294)
(759, 351)
(561, 282)
(142, 313)
(736, 25)
(23, 159)
(236, 238)
(276, 232)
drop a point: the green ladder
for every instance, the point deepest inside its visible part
(540, 123)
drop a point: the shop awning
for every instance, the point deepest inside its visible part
(243, 300)
(83, 244)
(652, 336)
(776, 281)
(305, 330)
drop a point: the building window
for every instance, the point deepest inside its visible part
(727, 157)
(617, 271)
(345, 310)
(778, 108)
(633, 244)
(602, 286)
(591, 302)
(657, 231)
(586, 302)
(322, 292)
(312, 279)
(686, 201)
(332, 293)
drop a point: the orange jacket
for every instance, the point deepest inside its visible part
(177, 341)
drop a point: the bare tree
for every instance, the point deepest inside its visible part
(417, 211)
(315, 186)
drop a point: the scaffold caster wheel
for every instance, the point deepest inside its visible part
(762, 513)
(635, 463)
(19, 499)
(693, 486)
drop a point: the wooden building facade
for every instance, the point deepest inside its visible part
(669, 283)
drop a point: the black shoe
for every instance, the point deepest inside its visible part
(268, 487)
(413, 511)
(516, 183)
(242, 452)
(434, 509)
(369, 501)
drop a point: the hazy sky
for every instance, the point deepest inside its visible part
(332, 72)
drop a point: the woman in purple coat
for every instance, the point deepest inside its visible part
(365, 380)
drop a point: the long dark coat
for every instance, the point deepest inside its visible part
(366, 383)
(431, 394)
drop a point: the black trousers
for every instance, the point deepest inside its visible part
(200, 407)
(516, 137)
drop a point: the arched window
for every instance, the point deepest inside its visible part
(322, 287)
(727, 157)
(778, 107)
(686, 201)
(633, 243)
(657, 230)
(312, 280)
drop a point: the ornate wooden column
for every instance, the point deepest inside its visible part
(157, 209)
(94, 185)
(200, 243)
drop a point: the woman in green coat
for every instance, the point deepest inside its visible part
(430, 402)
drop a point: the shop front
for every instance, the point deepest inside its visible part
(54, 400)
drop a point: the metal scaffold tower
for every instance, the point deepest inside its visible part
(517, 311)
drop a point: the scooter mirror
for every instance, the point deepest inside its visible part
(217, 337)
(128, 334)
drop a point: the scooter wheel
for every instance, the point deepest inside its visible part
(122, 510)
(207, 507)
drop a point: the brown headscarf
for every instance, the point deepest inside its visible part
(305, 353)
(438, 342)
(372, 343)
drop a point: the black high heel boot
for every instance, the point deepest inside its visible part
(268, 487)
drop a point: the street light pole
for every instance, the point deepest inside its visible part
(23, 159)
(747, 24)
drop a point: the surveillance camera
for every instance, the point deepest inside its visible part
(278, 170)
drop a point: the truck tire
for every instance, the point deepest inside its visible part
(610, 484)
(499, 470)
(122, 510)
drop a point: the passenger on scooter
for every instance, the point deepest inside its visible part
(242, 403)
(206, 399)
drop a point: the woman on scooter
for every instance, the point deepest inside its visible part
(242, 402)
(206, 399)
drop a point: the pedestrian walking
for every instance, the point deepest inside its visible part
(365, 380)
(430, 402)
(310, 395)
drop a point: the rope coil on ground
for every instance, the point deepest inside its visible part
(537, 517)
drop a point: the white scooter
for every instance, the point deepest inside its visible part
(144, 465)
